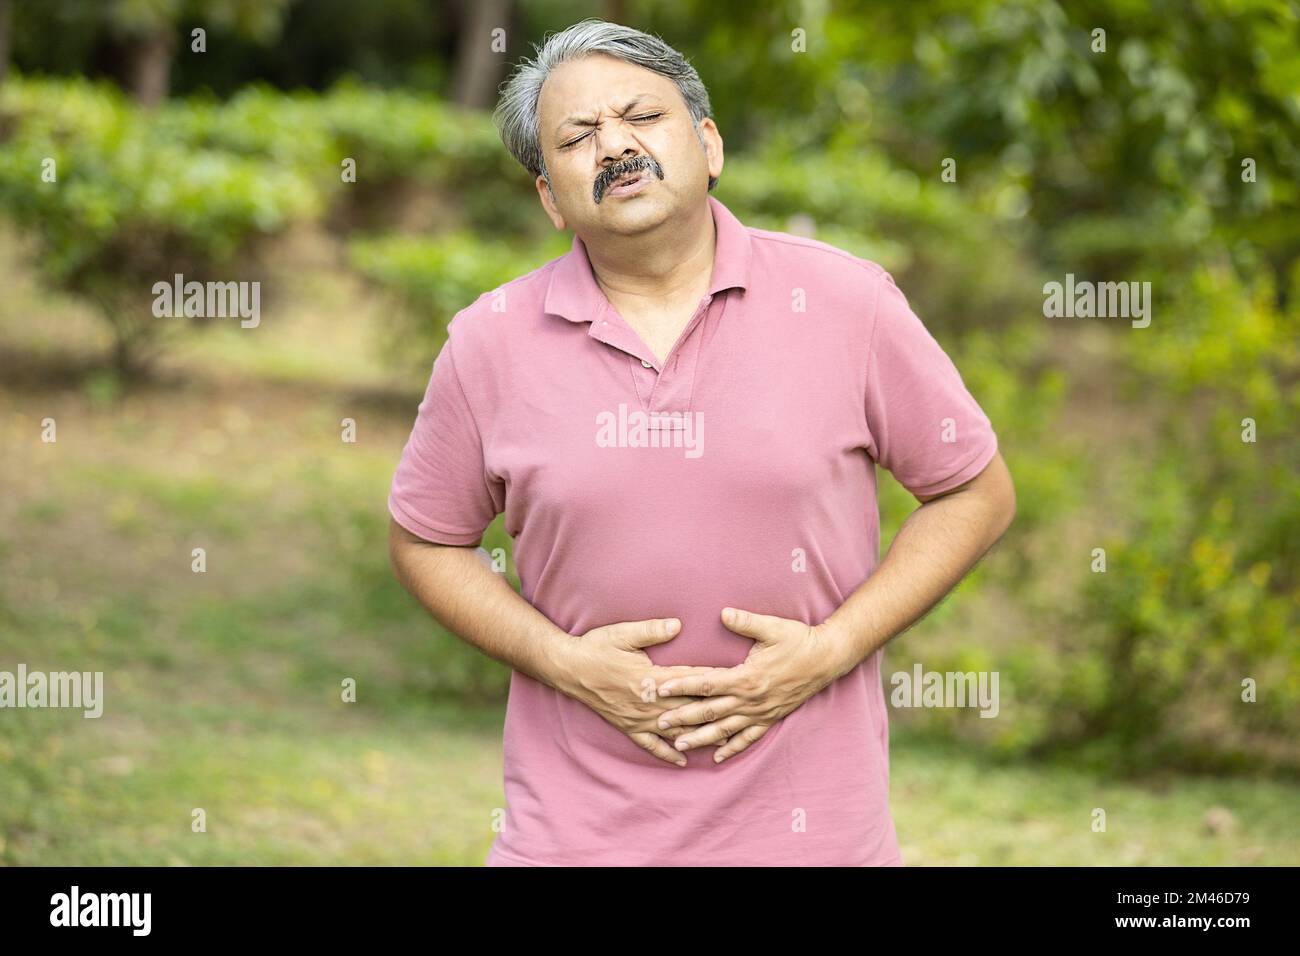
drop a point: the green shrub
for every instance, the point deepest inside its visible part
(196, 186)
(1202, 583)
(432, 278)
(131, 206)
(960, 262)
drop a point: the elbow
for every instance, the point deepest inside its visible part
(399, 545)
(999, 495)
(1007, 510)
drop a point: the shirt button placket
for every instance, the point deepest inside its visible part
(673, 388)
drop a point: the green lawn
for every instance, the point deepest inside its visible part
(307, 781)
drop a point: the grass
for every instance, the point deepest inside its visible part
(954, 809)
(308, 780)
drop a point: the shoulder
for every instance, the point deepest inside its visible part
(496, 315)
(843, 283)
(787, 255)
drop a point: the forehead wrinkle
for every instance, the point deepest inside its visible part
(577, 120)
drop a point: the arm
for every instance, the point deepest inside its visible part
(443, 482)
(791, 661)
(911, 388)
(607, 668)
(935, 548)
(467, 597)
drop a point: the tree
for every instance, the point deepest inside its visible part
(150, 31)
(5, 26)
(134, 202)
(479, 68)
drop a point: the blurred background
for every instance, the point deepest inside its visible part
(976, 149)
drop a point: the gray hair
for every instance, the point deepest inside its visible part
(516, 113)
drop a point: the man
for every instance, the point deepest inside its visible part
(681, 420)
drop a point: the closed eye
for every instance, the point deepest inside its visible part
(636, 119)
(574, 142)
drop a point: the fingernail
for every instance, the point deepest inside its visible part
(681, 763)
(665, 690)
(673, 625)
(663, 723)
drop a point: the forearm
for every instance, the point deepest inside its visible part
(933, 550)
(464, 594)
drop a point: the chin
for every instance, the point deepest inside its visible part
(632, 215)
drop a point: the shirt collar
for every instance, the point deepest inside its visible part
(574, 293)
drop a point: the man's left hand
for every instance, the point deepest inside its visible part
(789, 662)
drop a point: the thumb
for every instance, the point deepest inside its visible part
(760, 627)
(645, 633)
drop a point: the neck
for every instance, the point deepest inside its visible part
(664, 264)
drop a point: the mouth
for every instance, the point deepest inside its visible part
(630, 184)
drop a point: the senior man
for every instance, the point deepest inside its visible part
(696, 650)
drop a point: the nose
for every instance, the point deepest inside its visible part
(616, 149)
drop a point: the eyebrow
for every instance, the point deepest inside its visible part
(576, 120)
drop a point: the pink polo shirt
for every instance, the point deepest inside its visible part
(740, 471)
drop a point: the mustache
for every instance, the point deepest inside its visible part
(612, 174)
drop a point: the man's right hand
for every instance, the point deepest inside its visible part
(611, 674)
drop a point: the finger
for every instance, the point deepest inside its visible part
(672, 703)
(662, 704)
(657, 746)
(699, 712)
(715, 733)
(751, 624)
(649, 694)
(715, 681)
(634, 634)
(672, 733)
(661, 675)
(669, 671)
(739, 742)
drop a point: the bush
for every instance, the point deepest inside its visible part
(432, 278)
(131, 206)
(397, 140)
(1202, 582)
(959, 260)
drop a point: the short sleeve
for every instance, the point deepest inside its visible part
(441, 490)
(926, 429)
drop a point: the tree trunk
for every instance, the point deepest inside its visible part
(479, 69)
(6, 26)
(149, 71)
